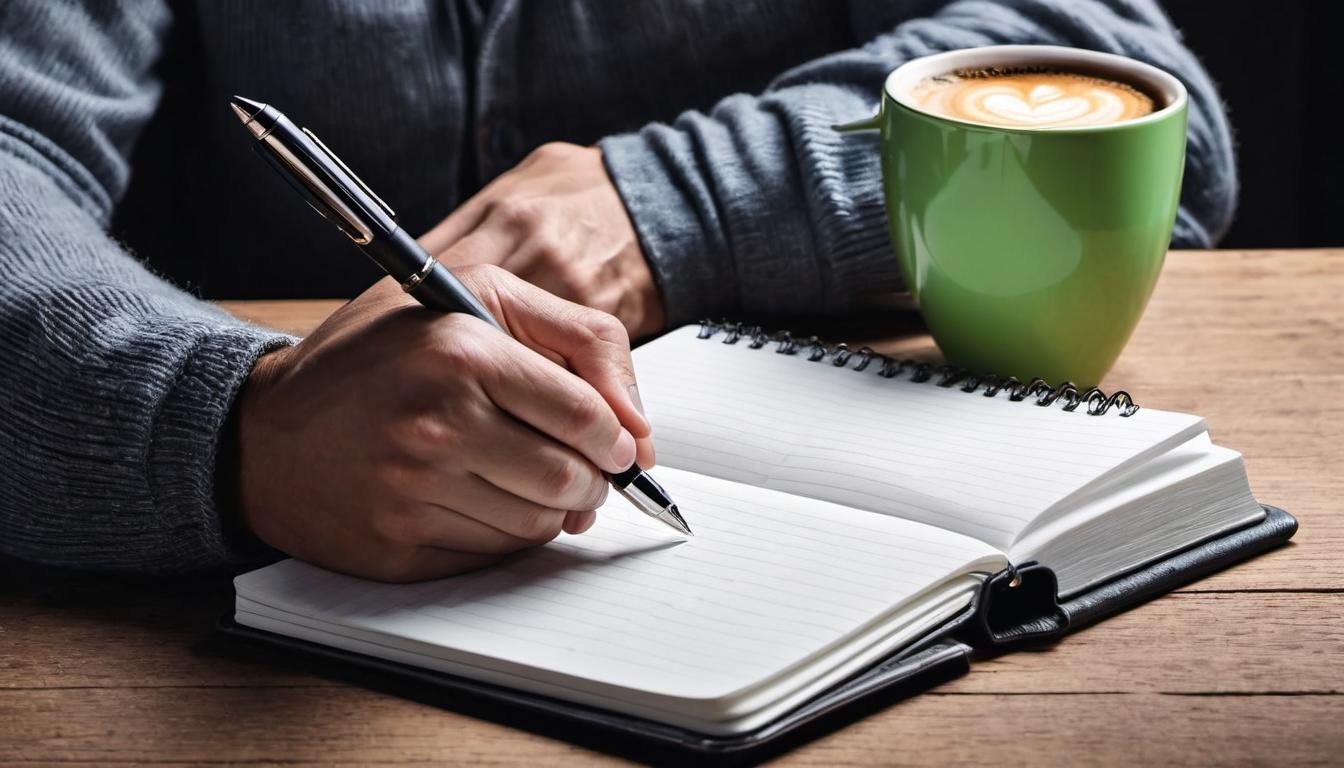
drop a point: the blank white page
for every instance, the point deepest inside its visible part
(768, 582)
(981, 466)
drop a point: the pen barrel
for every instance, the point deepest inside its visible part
(424, 278)
(399, 255)
(622, 479)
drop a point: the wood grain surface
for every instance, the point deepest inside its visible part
(1245, 667)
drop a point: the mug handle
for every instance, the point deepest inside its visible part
(866, 124)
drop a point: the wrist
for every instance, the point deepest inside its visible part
(643, 314)
(239, 462)
(687, 255)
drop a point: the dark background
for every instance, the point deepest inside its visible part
(1277, 66)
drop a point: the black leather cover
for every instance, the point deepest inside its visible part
(1008, 616)
(1016, 607)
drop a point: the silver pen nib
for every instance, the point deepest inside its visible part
(640, 489)
(245, 109)
(673, 518)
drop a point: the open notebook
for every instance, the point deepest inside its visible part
(840, 516)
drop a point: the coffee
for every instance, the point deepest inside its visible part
(1030, 98)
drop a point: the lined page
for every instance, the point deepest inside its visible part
(768, 581)
(981, 466)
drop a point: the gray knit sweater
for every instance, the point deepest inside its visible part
(116, 148)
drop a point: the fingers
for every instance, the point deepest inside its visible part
(516, 522)
(477, 516)
(537, 468)
(430, 541)
(432, 525)
(427, 540)
(557, 403)
(577, 521)
(593, 344)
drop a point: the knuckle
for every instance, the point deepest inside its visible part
(421, 431)
(518, 212)
(528, 214)
(607, 328)
(551, 150)
(560, 480)
(574, 485)
(388, 477)
(597, 496)
(586, 416)
(540, 524)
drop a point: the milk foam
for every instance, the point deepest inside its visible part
(1031, 99)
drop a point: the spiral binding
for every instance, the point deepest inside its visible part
(840, 355)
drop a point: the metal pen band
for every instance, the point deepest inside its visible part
(416, 279)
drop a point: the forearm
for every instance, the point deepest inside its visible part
(114, 389)
(757, 206)
(114, 386)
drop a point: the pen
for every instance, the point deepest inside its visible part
(335, 192)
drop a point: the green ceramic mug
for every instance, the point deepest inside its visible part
(1031, 251)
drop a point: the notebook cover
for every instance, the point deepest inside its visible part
(945, 654)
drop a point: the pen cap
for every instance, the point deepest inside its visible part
(322, 178)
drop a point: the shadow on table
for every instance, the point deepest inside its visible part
(116, 597)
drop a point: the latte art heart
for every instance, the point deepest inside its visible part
(1043, 105)
(1032, 99)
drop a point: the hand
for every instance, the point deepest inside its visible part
(401, 444)
(556, 221)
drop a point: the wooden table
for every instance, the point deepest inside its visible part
(1246, 666)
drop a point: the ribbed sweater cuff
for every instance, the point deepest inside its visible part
(760, 208)
(841, 176)
(185, 441)
(695, 277)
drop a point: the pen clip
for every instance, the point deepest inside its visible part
(344, 221)
(338, 161)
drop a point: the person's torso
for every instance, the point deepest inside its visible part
(426, 100)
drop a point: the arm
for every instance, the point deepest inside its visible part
(758, 206)
(114, 386)
(393, 442)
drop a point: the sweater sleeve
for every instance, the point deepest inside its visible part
(114, 386)
(757, 206)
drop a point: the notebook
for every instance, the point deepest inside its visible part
(849, 510)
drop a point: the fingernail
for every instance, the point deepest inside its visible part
(587, 523)
(578, 522)
(634, 398)
(623, 452)
(572, 521)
